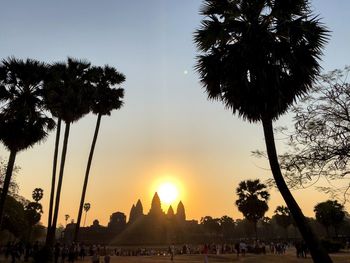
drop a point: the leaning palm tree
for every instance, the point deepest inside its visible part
(22, 117)
(71, 94)
(258, 57)
(107, 97)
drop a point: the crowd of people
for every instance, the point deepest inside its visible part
(14, 252)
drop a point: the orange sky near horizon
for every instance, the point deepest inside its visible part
(206, 183)
(167, 128)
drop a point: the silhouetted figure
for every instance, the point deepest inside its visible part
(205, 252)
(243, 247)
(71, 254)
(56, 252)
(237, 248)
(64, 253)
(27, 252)
(106, 258)
(95, 258)
(82, 252)
(172, 252)
(14, 253)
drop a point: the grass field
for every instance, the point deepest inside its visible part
(289, 257)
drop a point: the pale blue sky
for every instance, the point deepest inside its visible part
(167, 127)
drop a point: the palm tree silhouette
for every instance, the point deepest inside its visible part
(106, 98)
(66, 217)
(22, 117)
(70, 99)
(252, 201)
(87, 207)
(37, 194)
(257, 58)
(50, 94)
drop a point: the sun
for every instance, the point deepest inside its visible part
(168, 193)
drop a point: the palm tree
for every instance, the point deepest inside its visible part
(87, 207)
(70, 99)
(66, 217)
(37, 194)
(106, 98)
(258, 57)
(252, 201)
(330, 213)
(51, 92)
(47, 95)
(283, 218)
(22, 118)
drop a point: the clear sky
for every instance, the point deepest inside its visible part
(167, 130)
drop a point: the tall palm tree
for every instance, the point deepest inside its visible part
(66, 217)
(258, 57)
(22, 117)
(252, 201)
(71, 94)
(87, 207)
(283, 218)
(37, 194)
(50, 94)
(107, 97)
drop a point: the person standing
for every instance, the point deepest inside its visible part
(107, 258)
(205, 252)
(95, 258)
(237, 248)
(243, 247)
(71, 254)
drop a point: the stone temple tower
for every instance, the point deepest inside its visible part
(156, 206)
(180, 212)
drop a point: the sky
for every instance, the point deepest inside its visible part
(167, 130)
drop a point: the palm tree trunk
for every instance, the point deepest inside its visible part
(318, 253)
(52, 230)
(87, 172)
(6, 186)
(85, 218)
(54, 168)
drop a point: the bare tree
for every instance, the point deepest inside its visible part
(319, 146)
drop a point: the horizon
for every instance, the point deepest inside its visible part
(167, 129)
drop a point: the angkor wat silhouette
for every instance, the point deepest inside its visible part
(155, 227)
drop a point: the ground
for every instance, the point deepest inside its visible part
(289, 257)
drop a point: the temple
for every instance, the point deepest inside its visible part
(155, 227)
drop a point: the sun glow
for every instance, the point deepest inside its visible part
(168, 193)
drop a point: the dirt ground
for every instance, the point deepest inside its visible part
(289, 257)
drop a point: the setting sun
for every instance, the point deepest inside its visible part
(168, 193)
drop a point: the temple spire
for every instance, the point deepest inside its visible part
(156, 205)
(138, 209)
(180, 212)
(170, 213)
(132, 214)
